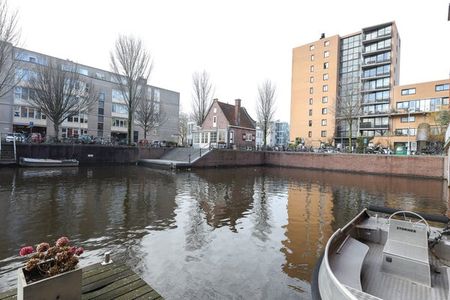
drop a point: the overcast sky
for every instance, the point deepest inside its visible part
(240, 43)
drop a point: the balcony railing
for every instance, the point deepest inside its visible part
(376, 63)
(369, 39)
(372, 126)
(376, 51)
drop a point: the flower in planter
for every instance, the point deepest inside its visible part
(26, 250)
(62, 241)
(42, 247)
(49, 260)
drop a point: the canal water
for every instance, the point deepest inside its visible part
(245, 233)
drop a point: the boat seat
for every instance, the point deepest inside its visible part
(405, 253)
(347, 262)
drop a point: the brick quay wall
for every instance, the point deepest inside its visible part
(90, 154)
(390, 165)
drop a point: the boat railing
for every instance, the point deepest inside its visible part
(334, 289)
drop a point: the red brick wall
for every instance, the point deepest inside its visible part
(413, 166)
(230, 158)
(222, 121)
(239, 142)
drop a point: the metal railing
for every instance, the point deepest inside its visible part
(10, 138)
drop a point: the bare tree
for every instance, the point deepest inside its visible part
(9, 37)
(60, 92)
(348, 111)
(183, 127)
(265, 107)
(202, 96)
(148, 113)
(131, 64)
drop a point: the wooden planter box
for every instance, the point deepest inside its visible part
(63, 286)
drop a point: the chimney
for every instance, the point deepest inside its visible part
(322, 36)
(237, 111)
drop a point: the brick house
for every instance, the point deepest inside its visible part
(226, 126)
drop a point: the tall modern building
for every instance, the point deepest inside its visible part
(107, 118)
(337, 81)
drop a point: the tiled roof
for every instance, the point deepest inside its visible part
(228, 111)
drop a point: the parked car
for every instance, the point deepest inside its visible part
(18, 137)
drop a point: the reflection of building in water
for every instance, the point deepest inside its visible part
(310, 215)
(224, 196)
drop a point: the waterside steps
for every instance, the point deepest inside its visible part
(7, 156)
(113, 281)
(177, 158)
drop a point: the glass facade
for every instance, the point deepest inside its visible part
(350, 84)
(376, 81)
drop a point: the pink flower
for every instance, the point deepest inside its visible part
(42, 247)
(62, 241)
(26, 250)
(79, 251)
(72, 250)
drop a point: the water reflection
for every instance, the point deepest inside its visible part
(229, 233)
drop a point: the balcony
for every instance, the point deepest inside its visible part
(377, 51)
(375, 113)
(376, 76)
(375, 63)
(368, 125)
(376, 89)
(378, 38)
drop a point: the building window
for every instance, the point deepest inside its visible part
(311, 68)
(311, 48)
(214, 121)
(213, 137)
(310, 123)
(311, 90)
(326, 53)
(408, 91)
(325, 76)
(325, 65)
(310, 112)
(407, 120)
(215, 110)
(323, 133)
(324, 122)
(326, 43)
(404, 131)
(311, 79)
(325, 99)
(312, 57)
(325, 88)
(310, 101)
(309, 133)
(324, 111)
(442, 87)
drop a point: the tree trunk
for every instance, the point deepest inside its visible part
(130, 121)
(350, 137)
(56, 129)
(145, 133)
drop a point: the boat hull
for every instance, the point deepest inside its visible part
(32, 162)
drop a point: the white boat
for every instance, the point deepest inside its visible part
(39, 162)
(394, 256)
